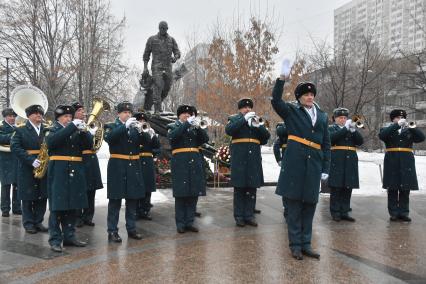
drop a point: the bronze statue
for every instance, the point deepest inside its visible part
(165, 52)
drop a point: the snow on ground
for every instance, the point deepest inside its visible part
(101, 194)
(369, 173)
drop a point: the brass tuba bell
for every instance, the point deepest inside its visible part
(99, 106)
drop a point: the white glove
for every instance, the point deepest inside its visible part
(249, 115)
(352, 129)
(348, 124)
(77, 122)
(324, 176)
(36, 163)
(81, 126)
(285, 67)
(93, 131)
(130, 121)
(402, 122)
(191, 119)
(151, 132)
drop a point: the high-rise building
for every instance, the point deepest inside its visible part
(395, 25)
(395, 29)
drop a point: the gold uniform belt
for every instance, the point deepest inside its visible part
(33, 152)
(284, 146)
(146, 154)
(305, 142)
(246, 140)
(399, 150)
(88, 152)
(66, 158)
(184, 150)
(347, 148)
(124, 157)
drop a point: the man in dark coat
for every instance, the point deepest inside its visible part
(205, 164)
(399, 165)
(280, 143)
(279, 147)
(125, 178)
(246, 161)
(306, 160)
(92, 171)
(66, 180)
(188, 180)
(8, 165)
(343, 177)
(32, 191)
(147, 153)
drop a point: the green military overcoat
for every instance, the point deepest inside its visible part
(188, 179)
(66, 180)
(124, 177)
(302, 165)
(246, 158)
(26, 138)
(147, 163)
(399, 171)
(8, 160)
(344, 163)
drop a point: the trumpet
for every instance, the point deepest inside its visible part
(357, 121)
(145, 126)
(200, 123)
(257, 121)
(141, 126)
(412, 124)
(408, 124)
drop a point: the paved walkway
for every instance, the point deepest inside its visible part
(372, 250)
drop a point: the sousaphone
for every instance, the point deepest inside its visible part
(22, 97)
(26, 95)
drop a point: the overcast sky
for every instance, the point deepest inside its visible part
(301, 19)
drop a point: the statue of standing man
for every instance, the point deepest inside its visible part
(165, 52)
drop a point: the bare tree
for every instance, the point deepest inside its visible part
(357, 75)
(97, 53)
(70, 49)
(38, 34)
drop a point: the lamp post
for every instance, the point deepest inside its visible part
(7, 82)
